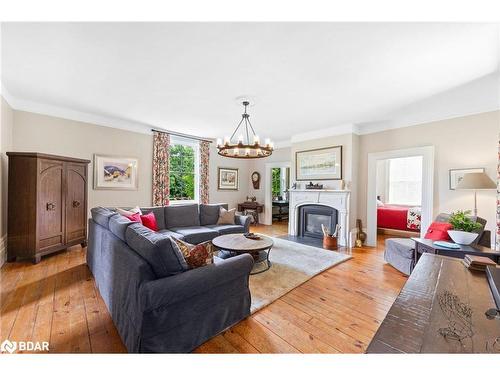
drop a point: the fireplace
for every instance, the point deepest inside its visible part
(311, 216)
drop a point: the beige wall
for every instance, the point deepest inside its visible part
(7, 122)
(41, 133)
(463, 142)
(232, 198)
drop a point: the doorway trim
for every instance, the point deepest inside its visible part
(427, 153)
(268, 206)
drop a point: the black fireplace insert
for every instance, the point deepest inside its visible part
(311, 216)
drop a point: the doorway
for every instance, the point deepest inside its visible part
(399, 196)
(277, 185)
(400, 188)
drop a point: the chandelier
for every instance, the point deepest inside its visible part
(247, 149)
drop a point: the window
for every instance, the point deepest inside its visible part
(184, 167)
(405, 181)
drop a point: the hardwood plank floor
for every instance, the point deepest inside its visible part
(337, 311)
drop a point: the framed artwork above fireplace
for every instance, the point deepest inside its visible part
(319, 164)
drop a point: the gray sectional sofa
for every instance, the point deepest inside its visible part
(157, 303)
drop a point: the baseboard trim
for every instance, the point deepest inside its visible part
(3, 250)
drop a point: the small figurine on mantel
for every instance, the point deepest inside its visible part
(294, 186)
(314, 186)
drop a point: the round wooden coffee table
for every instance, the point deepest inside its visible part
(237, 243)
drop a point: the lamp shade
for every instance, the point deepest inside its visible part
(476, 181)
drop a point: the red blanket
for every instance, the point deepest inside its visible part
(392, 217)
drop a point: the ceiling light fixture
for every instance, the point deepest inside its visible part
(247, 149)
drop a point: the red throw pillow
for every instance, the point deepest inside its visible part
(149, 221)
(135, 218)
(438, 231)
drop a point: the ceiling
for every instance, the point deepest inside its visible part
(185, 76)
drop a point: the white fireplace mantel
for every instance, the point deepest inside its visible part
(338, 199)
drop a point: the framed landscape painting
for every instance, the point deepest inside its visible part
(228, 179)
(319, 164)
(115, 173)
(457, 175)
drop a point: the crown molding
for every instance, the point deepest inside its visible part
(282, 144)
(6, 95)
(392, 125)
(70, 114)
(322, 133)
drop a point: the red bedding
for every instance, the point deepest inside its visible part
(393, 217)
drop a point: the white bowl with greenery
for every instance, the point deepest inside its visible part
(462, 238)
(463, 228)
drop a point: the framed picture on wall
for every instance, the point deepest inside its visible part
(456, 175)
(228, 178)
(115, 173)
(319, 164)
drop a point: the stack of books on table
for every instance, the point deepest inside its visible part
(478, 263)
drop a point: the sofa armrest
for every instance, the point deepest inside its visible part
(243, 220)
(163, 292)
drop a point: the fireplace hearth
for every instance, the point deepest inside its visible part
(312, 216)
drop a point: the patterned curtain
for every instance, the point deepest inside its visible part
(204, 171)
(498, 199)
(161, 169)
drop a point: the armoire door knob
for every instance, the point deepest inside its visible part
(76, 204)
(51, 206)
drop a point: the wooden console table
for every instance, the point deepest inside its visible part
(423, 245)
(414, 322)
(257, 209)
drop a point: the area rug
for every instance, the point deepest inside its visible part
(292, 265)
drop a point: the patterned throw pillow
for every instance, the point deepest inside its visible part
(195, 255)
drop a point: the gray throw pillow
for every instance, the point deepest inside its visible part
(226, 216)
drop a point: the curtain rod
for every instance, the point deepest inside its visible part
(182, 135)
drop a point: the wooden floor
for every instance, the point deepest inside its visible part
(338, 310)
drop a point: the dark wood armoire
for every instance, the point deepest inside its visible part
(47, 204)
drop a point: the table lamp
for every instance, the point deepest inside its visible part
(476, 181)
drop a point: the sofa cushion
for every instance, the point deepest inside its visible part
(171, 234)
(209, 213)
(101, 215)
(118, 225)
(159, 213)
(196, 234)
(227, 229)
(156, 249)
(182, 216)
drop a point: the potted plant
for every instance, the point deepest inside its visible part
(463, 228)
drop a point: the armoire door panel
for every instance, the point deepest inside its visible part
(76, 191)
(50, 216)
